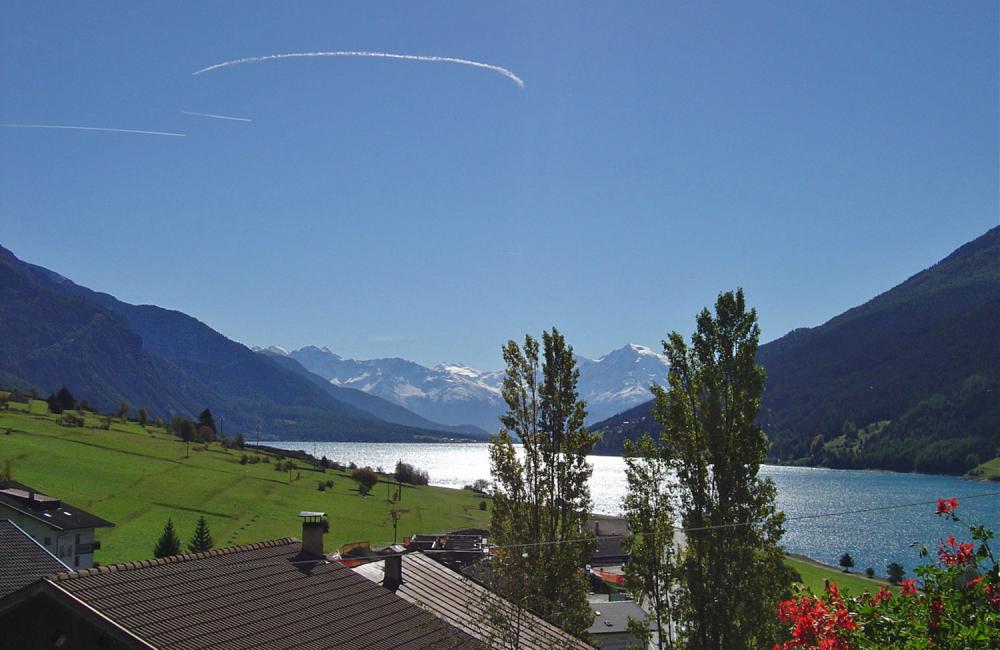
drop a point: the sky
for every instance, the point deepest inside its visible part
(814, 154)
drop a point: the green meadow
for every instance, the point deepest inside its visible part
(138, 476)
(814, 575)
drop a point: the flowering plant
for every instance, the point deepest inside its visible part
(958, 605)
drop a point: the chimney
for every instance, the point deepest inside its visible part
(393, 572)
(314, 526)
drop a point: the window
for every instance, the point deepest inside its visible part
(78, 539)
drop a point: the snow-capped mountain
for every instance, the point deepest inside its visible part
(455, 394)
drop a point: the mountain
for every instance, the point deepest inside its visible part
(57, 332)
(454, 394)
(380, 408)
(906, 381)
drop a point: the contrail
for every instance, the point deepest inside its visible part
(378, 55)
(89, 128)
(218, 117)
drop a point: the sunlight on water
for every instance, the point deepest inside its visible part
(873, 539)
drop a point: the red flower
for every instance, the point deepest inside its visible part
(882, 596)
(974, 581)
(909, 587)
(946, 506)
(963, 552)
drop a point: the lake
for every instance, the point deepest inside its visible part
(873, 539)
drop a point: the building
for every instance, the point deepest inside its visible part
(22, 559)
(64, 530)
(277, 594)
(467, 605)
(610, 628)
(455, 549)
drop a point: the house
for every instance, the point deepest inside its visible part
(64, 530)
(455, 549)
(610, 628)
(276, 594)
(468, 606)
(22, 559)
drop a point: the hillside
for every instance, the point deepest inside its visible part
(137, 478)
(923, 358)
(106, 350)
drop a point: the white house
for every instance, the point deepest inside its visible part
(63, 530)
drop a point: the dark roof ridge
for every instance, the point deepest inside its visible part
(173, 559)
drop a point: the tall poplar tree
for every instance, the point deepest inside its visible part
(651, 570)
(543, 499)
(731, 569)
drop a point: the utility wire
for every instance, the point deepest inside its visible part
(694, 529)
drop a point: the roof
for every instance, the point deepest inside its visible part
(612, 617)
(268, 594)
(463, 603)
(22, 559)
(51, 511)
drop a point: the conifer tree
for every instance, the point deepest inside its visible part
(731, 569)
(169, 543)
(545, 497)
(202, 539)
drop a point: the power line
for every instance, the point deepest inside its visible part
(695, 529)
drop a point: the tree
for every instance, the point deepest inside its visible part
(202, 539)
(847, 562)
(544, 498)
(240, 442)
(143, 417)
(53, 403)
(732, 570)
(649, 510)
(870, 572)
(169, 543)
(66, 400)
(366, 479)
(123, 409)
(895, 572)
(205, 420)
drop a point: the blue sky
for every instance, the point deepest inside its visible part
(812, 153)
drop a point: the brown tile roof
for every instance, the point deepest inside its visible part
(465, 604)
(260, 595)
(22, 559)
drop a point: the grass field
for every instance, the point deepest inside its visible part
(138, 477)
(814, 574)
(988, 471)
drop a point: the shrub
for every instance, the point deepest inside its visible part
(870, 572)
(895, 571)
(482, 505)
(366, 479)
(406, 473)
(321, 486)
(329, 483)
(244, 459)
(480, 486)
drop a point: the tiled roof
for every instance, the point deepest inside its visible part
(467, 605)
(260, 595)
(48, 510)
(22, 559)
